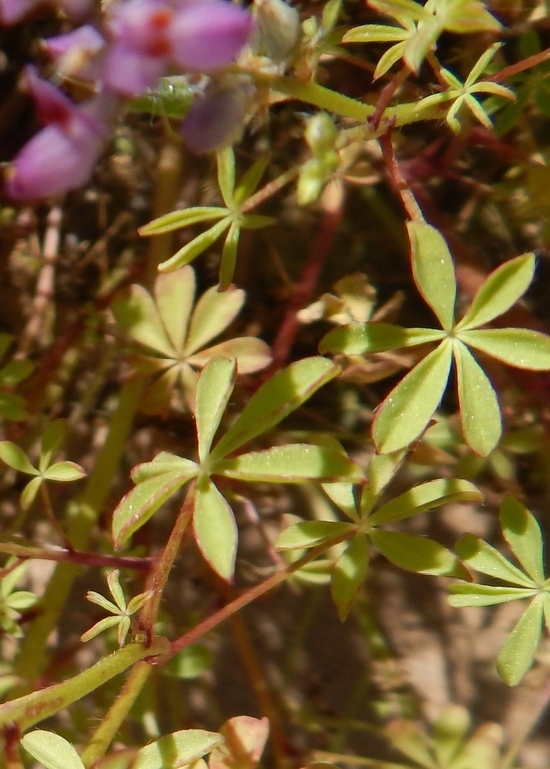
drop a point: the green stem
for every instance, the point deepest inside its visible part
(107, 730)
(28, 710)
(325, 98)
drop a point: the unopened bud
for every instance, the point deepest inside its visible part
(278, 29)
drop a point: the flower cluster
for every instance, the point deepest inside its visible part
(139, 42)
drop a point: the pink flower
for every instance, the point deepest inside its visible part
(62, 155)
(150, 35)
(12, 11)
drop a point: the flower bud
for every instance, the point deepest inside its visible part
(278, 29)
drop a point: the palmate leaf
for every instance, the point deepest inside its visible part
(174, 296)
(215, 528)
(523, 534)
(405, 413)
(499, 292)
(478, 555)
(290, 464)
(518, 347)
(274, 400)
(350, 571)
(419, 554)
(175, 220)
(516, 656)
(229, 255)
(433, 271)
(151, 492)
(213, 391)
(195, 247)
(425, 497)
(213, 313)
(479, 409)
(137, 315)
(486, 595)
(308, 534)
(366, 338)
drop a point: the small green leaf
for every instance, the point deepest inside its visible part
(229, 255)
(250, 179)
(51, 750)
(64, 471)
(213, 313)
(174, 294)
(195, 247)
(226, 174)
(424, 497)
(499, 292)
(16, 458)
(308, 534)
(164, 462)
(28, 495)
(418, 554)
(519, 347)
(175, 220)
(53, 437)
(176, 749)
(478, 555)
(406, 411)
(366, 338)
(479, 409)
(516, 656)
(342, 494)
(274, 400)
(214, 389)
(215, 528)
(251, 354)
(290, 464)
(433, 271)
(350, 571)
(523, 534)
(486, 595)
(136, 507)
(137, 315)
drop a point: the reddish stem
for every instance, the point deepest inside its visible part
(318, 253)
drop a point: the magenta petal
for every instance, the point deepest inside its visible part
(53, 162)
(206, 35)
(51, 105)
(129, 72)
(141, 25)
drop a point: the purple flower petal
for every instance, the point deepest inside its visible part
(53, 162)
(206, 35)
(129, 72)
(215, 120)
(77, 52)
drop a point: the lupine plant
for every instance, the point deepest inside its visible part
(300, 445)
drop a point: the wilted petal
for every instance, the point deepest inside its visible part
(206, 35)
(216, 120)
